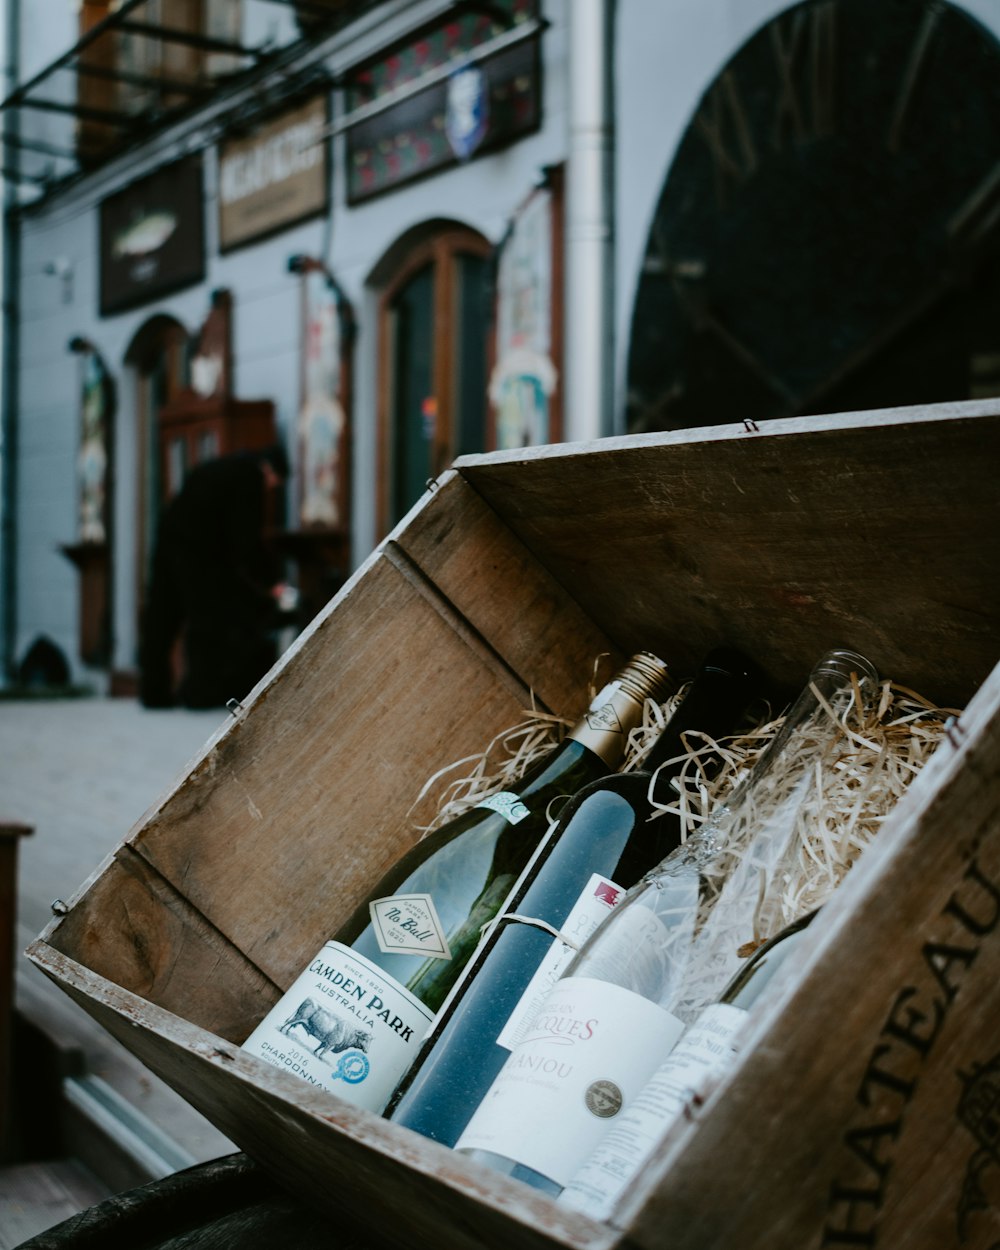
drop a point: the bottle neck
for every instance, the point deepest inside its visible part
(710, 708)
(609, 720)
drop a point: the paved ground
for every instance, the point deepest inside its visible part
(82, 772)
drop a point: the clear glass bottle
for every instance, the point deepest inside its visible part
(603, 843)
(353, 1019)
(664, 954)
(701, 1057)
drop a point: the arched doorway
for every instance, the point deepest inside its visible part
(156, 371)
(434, 319)
(827, 235)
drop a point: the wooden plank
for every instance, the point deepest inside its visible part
(136, 929)
(875, 530)
(400, 1183)
(475, 561)
(854, 1083)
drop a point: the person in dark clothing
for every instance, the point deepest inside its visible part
(214, 584)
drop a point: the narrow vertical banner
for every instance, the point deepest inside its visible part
(323, 426)
(524, 383)
(90, 551)
(93, 459)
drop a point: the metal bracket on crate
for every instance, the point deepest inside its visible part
(751, 425)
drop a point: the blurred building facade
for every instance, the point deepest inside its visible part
(389, 232)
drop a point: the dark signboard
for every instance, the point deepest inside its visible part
(152, 237)
(480, 106)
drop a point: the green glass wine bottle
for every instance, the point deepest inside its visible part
(353, 1019)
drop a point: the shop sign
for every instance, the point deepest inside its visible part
(274, 177)
(152, 237)
(477, 108)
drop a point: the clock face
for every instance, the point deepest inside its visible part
(826, 236)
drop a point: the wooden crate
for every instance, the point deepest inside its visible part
(865, 1113)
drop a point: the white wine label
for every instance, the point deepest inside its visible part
(595, 902)
(587, 1054)
(344, 1025)
(408, 924)
(508, 805)
(638, 949)
(704, 1052)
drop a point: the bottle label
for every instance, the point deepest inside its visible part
(702, 1054)
(408, 924)
(586, 1056)
(638, 948)
(344, 1025)
(596, 899)
(606, 723)
(602, 715)
(508, 805)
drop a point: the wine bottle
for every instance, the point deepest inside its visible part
(602, 843)
(663, 954)
(353, 1019)
(698, 1061)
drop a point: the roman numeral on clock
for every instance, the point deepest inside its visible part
(804, 48)
(979, 212)
(725, 126)
(911, 76)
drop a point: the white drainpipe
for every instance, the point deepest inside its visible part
(588, 389)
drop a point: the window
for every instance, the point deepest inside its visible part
(160, 56)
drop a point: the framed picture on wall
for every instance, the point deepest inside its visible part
(152, 237)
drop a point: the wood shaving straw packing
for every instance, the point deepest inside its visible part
(881, 750)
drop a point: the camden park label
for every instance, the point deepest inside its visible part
(963, 937)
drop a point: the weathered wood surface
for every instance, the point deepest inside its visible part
(877, 530)
(138, 931)
(533, 623)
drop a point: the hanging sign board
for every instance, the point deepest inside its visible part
(152, 237)
(479, 107)
(274, 177)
